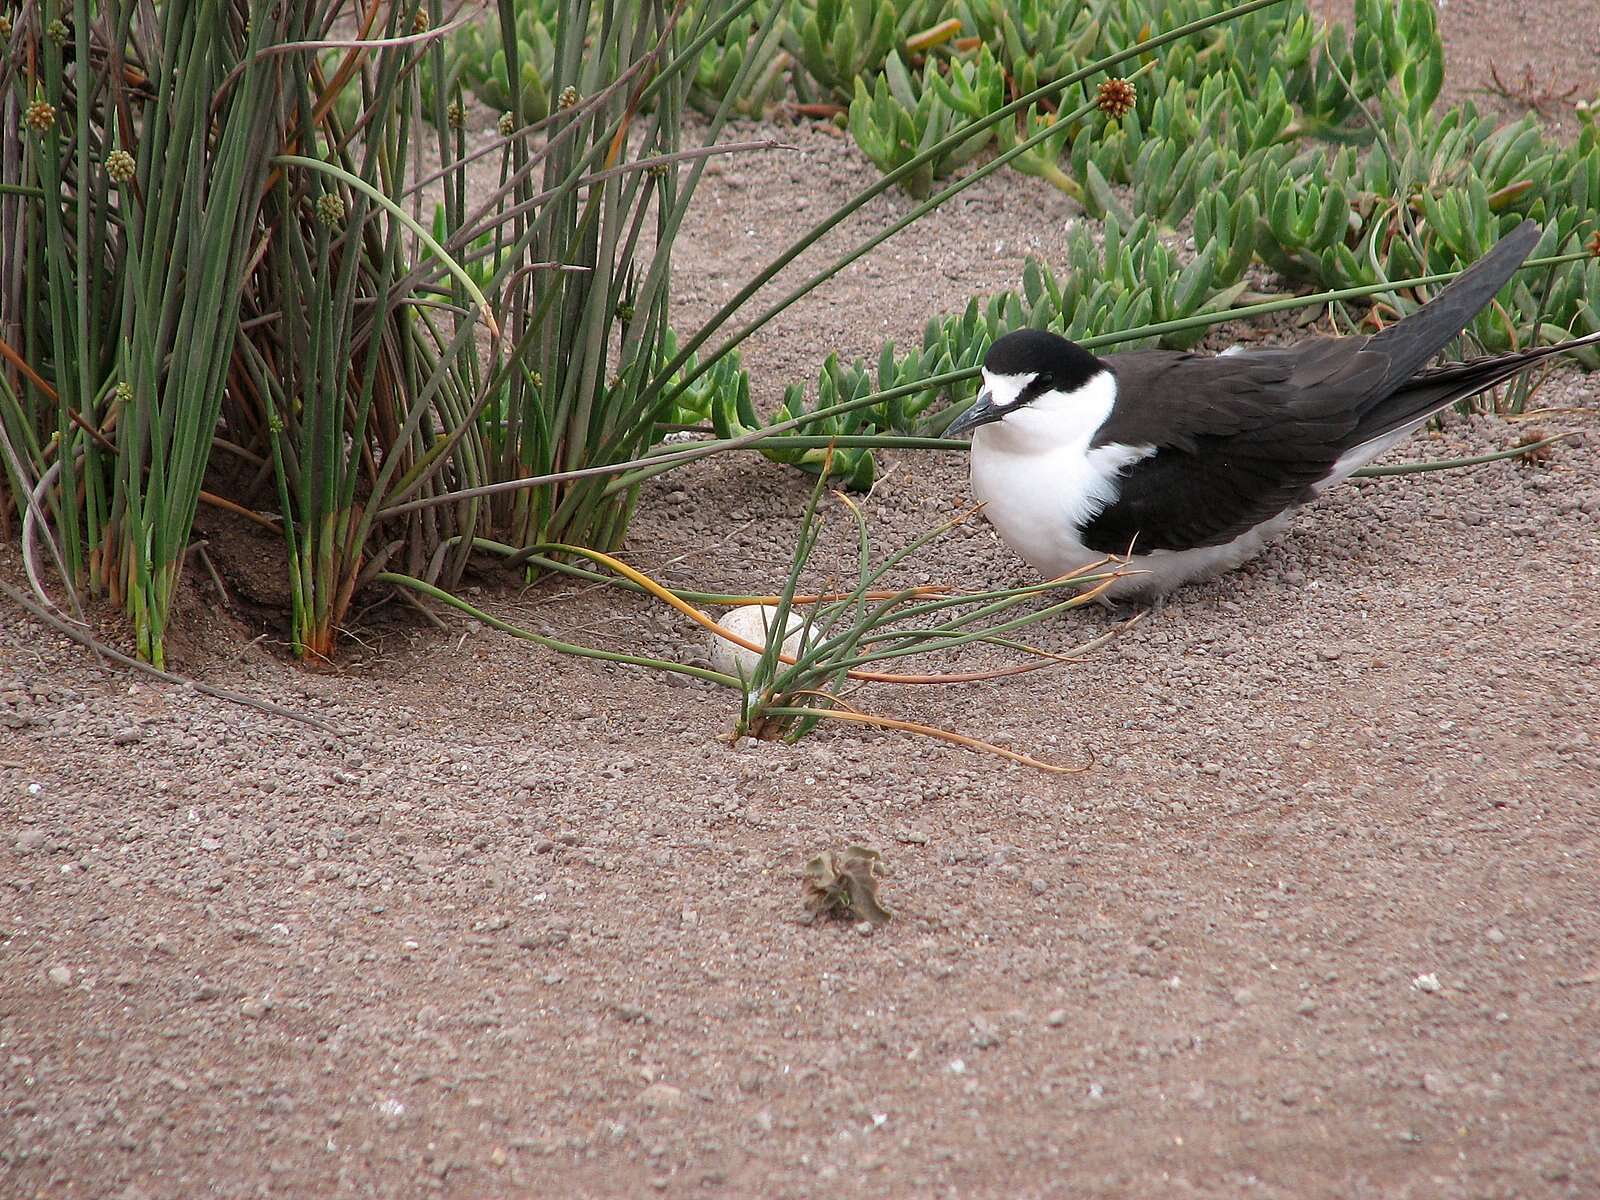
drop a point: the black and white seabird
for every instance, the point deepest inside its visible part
(1193, 461)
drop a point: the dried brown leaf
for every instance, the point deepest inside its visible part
(846, 885)
(1538, 456)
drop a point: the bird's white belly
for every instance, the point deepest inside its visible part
(1025, 498)
(1163, 570)
(1038, 501)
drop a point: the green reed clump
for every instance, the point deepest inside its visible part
(220, 293)
(124, 304)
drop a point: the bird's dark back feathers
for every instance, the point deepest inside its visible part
(1237, 439)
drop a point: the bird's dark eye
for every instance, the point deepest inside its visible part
(1044, 383)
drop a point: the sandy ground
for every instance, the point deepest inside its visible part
(1319, 921)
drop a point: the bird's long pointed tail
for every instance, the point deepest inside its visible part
(1412, 342)
(1435, 389)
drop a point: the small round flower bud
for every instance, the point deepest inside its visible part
(1116, 98)
(120, 166)
(40, 116)
(5, 26)
(624, 311)
(330, 209)
(123, 393)
(57, 32)
(456, 114)
(569, 97)
(419, 23)
(508, 124)
(535, 378)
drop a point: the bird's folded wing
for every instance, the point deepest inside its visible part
(1236, 439)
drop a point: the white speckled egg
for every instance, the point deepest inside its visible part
(751, 622)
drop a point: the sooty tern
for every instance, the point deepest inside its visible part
(1193, 461)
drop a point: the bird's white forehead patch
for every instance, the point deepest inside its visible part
(1005, 390)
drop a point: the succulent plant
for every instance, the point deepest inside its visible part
(839, 42)
(905, 114)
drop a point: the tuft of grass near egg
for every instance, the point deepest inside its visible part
(835, 643)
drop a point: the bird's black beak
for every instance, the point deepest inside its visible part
(983, 411)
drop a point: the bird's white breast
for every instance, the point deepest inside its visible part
(1038, 479)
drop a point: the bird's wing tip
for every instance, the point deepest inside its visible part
(1528, 231)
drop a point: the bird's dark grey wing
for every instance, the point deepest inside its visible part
(1237, 438)
(1435, 388)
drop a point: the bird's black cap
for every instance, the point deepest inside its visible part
(1059, 364)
